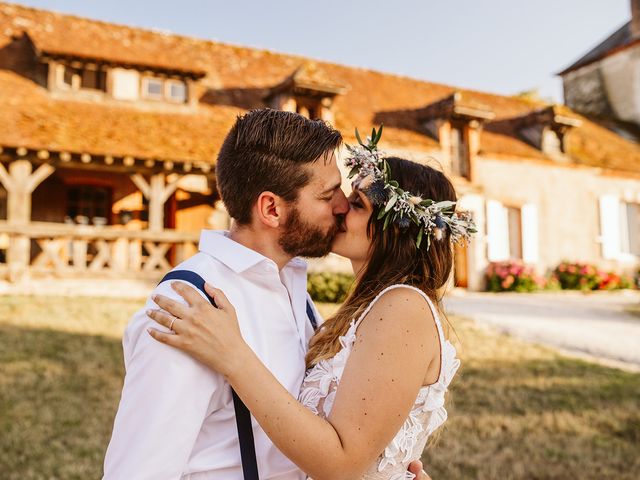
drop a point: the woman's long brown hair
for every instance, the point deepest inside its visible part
(394, 258)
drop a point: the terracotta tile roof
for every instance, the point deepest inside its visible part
(237, 79)
(311, 76)
(68, 35)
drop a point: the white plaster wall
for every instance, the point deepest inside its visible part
(568, 206)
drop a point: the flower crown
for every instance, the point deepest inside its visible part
(373, 177)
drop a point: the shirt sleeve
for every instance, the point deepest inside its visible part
(165, 399)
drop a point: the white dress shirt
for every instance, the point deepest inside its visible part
(176, 418)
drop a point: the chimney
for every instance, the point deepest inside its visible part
(635, 19)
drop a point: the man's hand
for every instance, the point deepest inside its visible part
(416, 468)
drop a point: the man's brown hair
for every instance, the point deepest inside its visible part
(266, 150)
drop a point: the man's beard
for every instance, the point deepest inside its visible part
(301, 239)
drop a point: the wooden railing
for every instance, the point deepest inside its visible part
(90, 251)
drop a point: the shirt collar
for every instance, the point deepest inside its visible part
(235, 255)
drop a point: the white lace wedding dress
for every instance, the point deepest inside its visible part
(427, 414)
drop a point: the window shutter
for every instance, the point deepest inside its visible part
(530, 235)
(610, 226)
(497, 231)
(126, 84)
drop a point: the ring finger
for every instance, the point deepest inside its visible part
(165, 319)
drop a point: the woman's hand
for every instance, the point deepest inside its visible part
(209, 334)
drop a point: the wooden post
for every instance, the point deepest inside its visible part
(20, 182)
(157, 192)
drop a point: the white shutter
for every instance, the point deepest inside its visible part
(610, 226)
(126, 84)
(530, 236)
(497, 231)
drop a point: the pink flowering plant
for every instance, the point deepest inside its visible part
(512, 276)
(585, 276)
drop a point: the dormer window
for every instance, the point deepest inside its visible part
(122, 70)
(546, 130)
(456, 125)
(460, 161)
(308, 91)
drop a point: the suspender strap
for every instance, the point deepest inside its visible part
(243, 417)
(247, 444)
(312, 316)
(190, 277)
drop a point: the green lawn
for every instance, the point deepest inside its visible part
(517, 411)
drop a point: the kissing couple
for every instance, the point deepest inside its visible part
(232, 329)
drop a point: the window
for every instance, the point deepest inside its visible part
(89, 204)
(82, 78)
(630, 228)
(512, 232)
(177, 91)
(515, 232)
(156, 88)
(153, 88)
(308, 108)
(619, 228)
(460, 152)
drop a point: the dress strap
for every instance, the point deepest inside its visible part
(434, 311)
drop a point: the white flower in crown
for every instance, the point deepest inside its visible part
(373, 176)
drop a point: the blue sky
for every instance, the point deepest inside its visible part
(502, 46)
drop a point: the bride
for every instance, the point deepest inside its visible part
(378, 369)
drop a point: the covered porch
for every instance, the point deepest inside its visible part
(76, 215)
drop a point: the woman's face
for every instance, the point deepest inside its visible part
(352, 241)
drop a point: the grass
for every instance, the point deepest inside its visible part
(517, 411)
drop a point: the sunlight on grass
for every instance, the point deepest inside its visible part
(517, 411)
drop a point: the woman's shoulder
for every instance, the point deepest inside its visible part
(401, 304)
(405, 297)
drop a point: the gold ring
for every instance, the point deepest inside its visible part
(171, 324)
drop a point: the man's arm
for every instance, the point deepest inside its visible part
(165, 398)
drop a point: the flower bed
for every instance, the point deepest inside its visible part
(584, 276)
(512, 276)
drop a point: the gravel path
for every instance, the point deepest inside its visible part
(595, 324)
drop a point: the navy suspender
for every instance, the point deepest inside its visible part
(312, 316)
(243, 417)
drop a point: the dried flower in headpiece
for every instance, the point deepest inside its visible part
(373, 177)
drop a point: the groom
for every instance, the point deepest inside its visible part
(278, 177)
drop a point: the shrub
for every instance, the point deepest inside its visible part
(512, 276)
(552, 283)
(329, 287)
(584, 276)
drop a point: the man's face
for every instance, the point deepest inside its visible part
(315, 217)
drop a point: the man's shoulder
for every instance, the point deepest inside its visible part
(201, 263)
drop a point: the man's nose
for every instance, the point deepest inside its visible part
(341, 206)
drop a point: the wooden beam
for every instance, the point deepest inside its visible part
(39, 176)
(139, 181)
(157, 192)
(5, 178)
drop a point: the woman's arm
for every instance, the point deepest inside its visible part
(395, 345)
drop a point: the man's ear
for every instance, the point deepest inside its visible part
(269, 209)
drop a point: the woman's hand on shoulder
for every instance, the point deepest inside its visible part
(208, 333)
